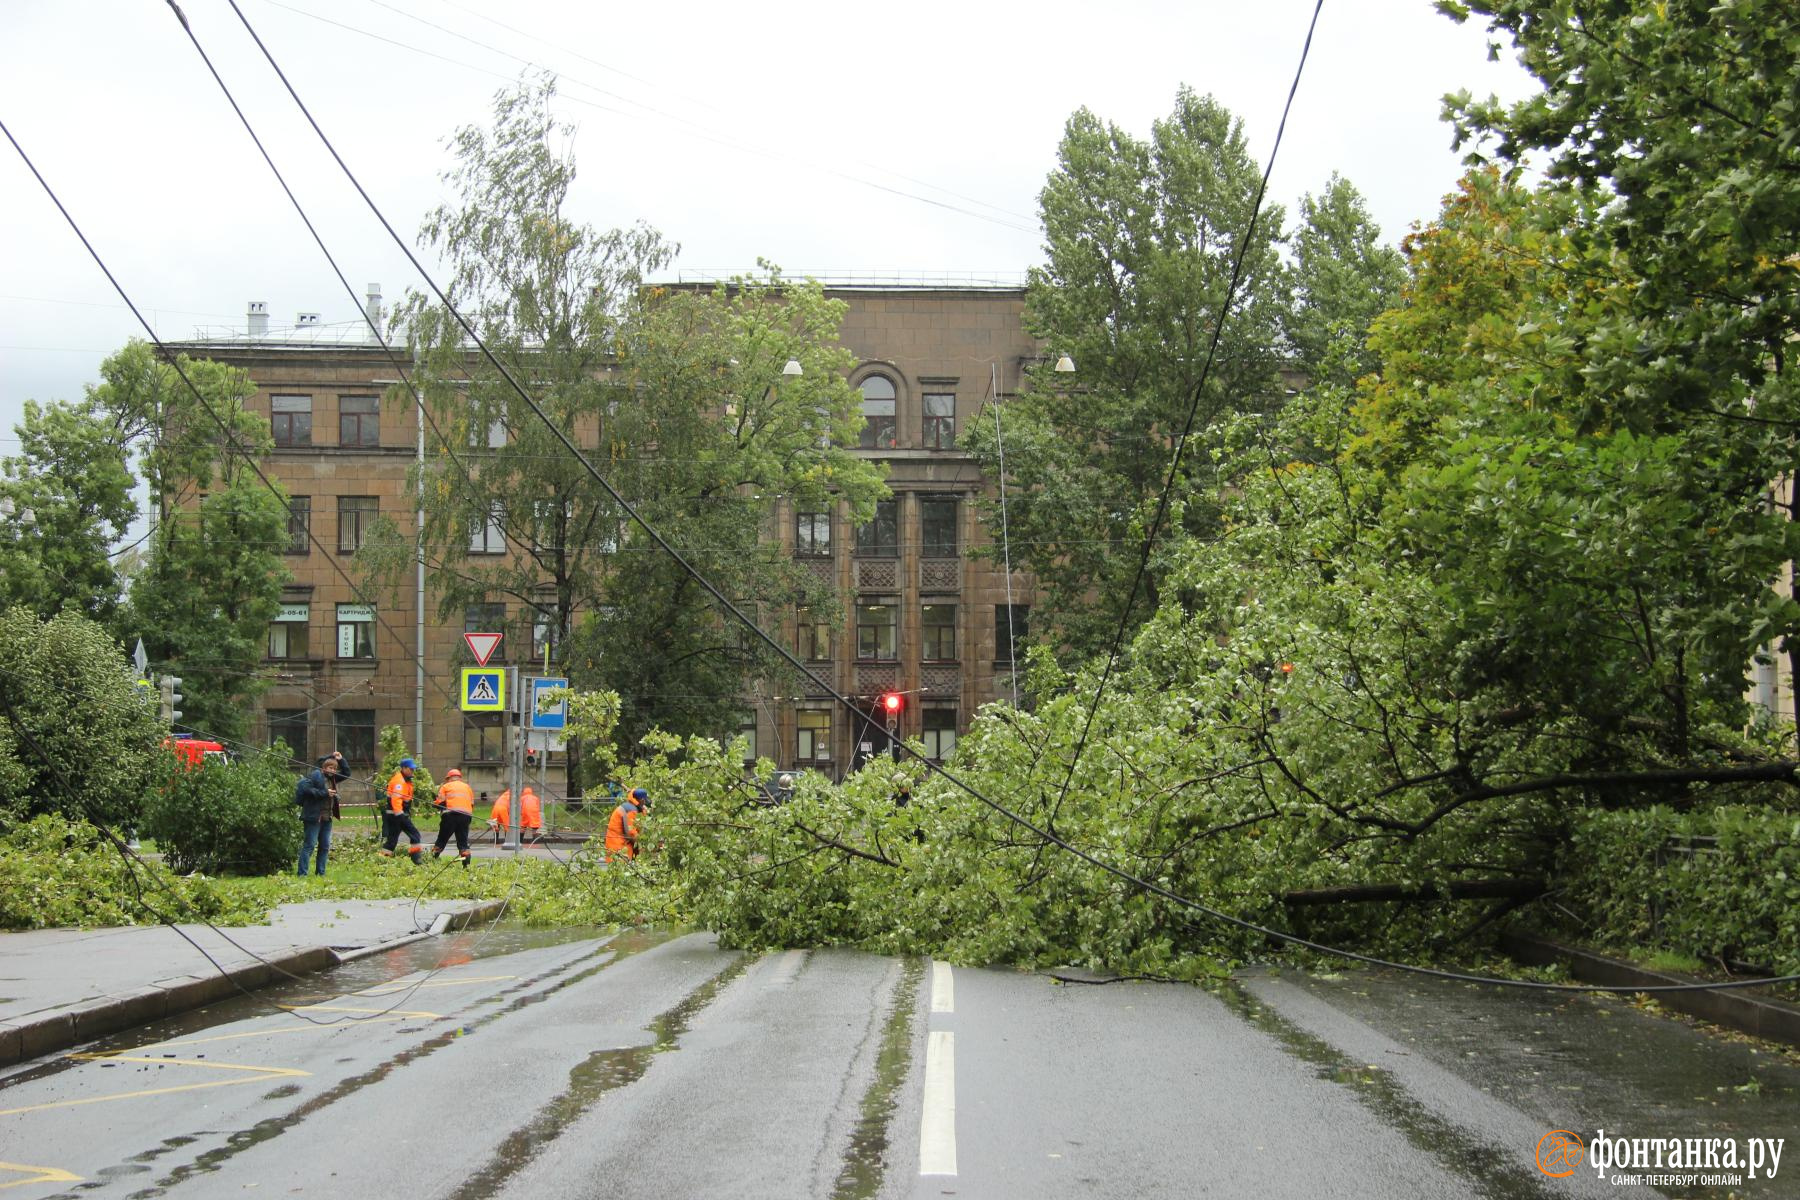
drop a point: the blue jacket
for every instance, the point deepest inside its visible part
(313, 795)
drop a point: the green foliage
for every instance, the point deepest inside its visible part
(1140, 236)
(70, 687)
(57, 872)
(65, 498)
(1717, 883)
(1343, 278)
(393, 749)
(234, 818)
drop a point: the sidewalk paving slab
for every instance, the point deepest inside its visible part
(62, 987)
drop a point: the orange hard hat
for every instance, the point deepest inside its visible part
(452, 773)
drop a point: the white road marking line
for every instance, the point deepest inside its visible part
(937, 1127)
(943, 988)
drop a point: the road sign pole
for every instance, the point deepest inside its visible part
(516, 810)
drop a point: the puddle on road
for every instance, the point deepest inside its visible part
(368, 972)
(602, 1071)
(866, 1163)
(1485, 1168)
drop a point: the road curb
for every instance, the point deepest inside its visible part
(1739, 1009)
(23, 1040)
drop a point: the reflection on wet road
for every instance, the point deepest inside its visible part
(505, 1063)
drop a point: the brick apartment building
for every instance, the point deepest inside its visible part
(921, 617)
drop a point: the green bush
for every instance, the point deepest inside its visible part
(1719, 883)
(90, 744)
(227, 818)
(56, 872)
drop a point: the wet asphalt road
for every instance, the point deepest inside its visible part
(509, 1064)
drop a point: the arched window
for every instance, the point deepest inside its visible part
(879, 423)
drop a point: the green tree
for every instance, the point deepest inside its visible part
(1343, 278)
(76, 718)
(65, 499)
(1684, 119)
(212, 572)
(678, 397)
(1141, 237)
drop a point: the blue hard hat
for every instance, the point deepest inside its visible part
(407, 762)
(639, 794)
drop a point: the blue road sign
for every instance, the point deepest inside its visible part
(545, 713)
(484, 689)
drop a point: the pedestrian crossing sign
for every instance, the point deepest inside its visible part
(484, 689)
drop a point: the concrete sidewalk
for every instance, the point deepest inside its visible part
(61, 987)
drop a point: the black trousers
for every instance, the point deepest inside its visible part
(457, 823)
(394, 824)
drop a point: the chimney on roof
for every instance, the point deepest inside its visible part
(372, 310)
(258, 318)
(305, 320)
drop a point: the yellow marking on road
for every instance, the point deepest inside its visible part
(385, 1012)
(252, 1074)
(36, 1175)
(230, 1037)
(189, 1062)
(388, 989)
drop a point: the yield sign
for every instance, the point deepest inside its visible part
(482, 646)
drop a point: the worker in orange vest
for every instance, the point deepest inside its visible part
(396, 813)
(456, 800)
(622, 826)
(500, 816)
(531, 814)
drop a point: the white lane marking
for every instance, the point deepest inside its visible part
(937, 1127)
(943, 988)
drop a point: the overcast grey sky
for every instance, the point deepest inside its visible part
(833, 139)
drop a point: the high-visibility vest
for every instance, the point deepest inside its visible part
(457, 796)
(399, 793)
(500, 814)
(531, 812)
(621, 831)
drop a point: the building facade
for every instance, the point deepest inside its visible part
(923, 618)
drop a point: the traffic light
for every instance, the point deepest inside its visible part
(890, 705)
(531, 757)
(170, 697)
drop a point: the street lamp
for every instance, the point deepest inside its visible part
(793, 368)
(1064, 365)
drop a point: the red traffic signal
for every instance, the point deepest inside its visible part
(891, 702)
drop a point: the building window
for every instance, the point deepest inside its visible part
(812, 534)
(290, 420)
(356, 516)
(484, 618)
(880, 538)
(939, 429)
(937, 527)
(878, 413)
(812, 637)
(746, 729)
(289, 725)
(287, 632)
(937, 625)
(488, 536)
(495, 436)
(545, 644)
(1010, 632)
(483, 737)
(356, 631)
(356, 734)
(812, 735)
(876, 628)
(299, 527)
(939, 734)
(359, 421)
